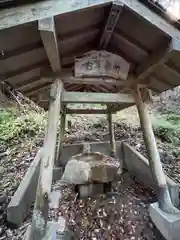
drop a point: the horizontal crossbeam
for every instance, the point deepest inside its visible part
(93, 81)
(86, 111)
(104, 98)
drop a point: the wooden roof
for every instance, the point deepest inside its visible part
(42, 40)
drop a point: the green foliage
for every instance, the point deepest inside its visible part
(167, 127)
(15, 125)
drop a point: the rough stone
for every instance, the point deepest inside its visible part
(91, 167)
(168, 224)
(77, 172)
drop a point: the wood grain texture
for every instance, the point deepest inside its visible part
(153, 155)
(86, 111)
(111, 135)
(48, 35)
(40, 213)
(108, 98)
(112, 20)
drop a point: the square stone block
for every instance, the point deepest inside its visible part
(54, 231)
(87, 190)
(168, 224)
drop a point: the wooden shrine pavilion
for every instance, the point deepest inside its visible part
(58, 52)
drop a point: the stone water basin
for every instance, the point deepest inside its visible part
(92, 167)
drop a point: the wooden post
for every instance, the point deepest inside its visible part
(163, 195)
(61, 136)
(111, 135)
(40, 213)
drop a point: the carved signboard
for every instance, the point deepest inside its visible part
(101, 63)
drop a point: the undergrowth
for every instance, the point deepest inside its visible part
(19, 125)
(167, 127)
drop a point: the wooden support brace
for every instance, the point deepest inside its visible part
(47, 30)
(40, 213)
(153, 155)
(61, 136)
(111, 23)
(111, 135)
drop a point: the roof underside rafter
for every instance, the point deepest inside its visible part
(34, 52)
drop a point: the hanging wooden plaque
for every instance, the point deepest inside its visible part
(101, 63)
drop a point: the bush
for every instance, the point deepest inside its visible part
(167, 127)
(15, 125)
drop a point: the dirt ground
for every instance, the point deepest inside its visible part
(119, 215)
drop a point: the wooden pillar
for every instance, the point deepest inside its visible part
(111, 135)
(40, 213)
(61, 136)
(163, 195)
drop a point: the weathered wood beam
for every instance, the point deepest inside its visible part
(172, 70)
(73, 87)
(40, 213)
(171, 65)
(83, 38)
(92, 80)
(111, 23)
(106, 98)
(24, 14)
(34, 83)
(102, 88)
(27, 76)
(157, 57)
(111, 135)
(86, 111)
(61, 136)
(11, 74)
(47, 30)
(36, 90)
(131, 40)
(132, 46)
(153, 155)
(159, 84)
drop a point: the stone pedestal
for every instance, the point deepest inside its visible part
(88, 190)
(92, 189)
(168, 224)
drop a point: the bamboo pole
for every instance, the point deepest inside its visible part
(163, 195)
(111, 135)
(40, 213)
